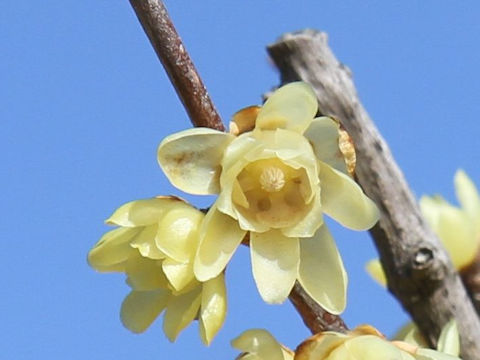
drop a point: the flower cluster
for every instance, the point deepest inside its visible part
(276, 173)
(458, 228)
(154, 245)
(364, 342)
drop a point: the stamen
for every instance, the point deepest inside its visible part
(272, 179)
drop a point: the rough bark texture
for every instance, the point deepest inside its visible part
(471, 279)
(168, 45)
(418, 270)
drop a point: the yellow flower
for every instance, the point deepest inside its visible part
(274, 180)
(364, 342)
(258, 344)
(154, 245)
(458, 228)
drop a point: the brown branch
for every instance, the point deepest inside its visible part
(168, 45)
(172, 53)
(471, 279)
(418, 270)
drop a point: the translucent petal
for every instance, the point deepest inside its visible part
(112, 249)
(449, 340)
(143, 212)
(179, 274)
(429, 354)
(177, 234)
(181, 311)
(145, 243)
(375, 270)
(411, 335)
(191, 159)
(275, 261)
(220, 236)
(468, 197)
(144, 274)
(259, 342)
(344, 200)
(141, 308)
(291, 107)
(213, 308)
(368, 347)
(324, 137)
(244, 120)
(321, 271)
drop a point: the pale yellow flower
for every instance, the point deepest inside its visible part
(364, 342)
(259, 344)
(458, 228)
(154, 245)
(274, 180)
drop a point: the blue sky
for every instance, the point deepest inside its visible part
(84, 103)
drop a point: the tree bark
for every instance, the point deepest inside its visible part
(417, 267)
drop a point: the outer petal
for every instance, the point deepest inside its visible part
(181, 311)
(454, 229)
(213, 308)
(178, 274)
(191, 159)
(177, 234)
(468, 197)
(429, 354)
(143, 212)
(144, 274)
(449, 341)
(324, 136)
(319, 346)
(259, 342)
(220, 236)
(321, 271)
(375, 270)
(344, 200)
(291, 107)
(141, 308)
(112, 250)
(370, 347)
(275, 261)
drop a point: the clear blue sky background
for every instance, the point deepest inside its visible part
(84, 103)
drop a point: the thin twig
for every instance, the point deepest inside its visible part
(171, 51)
(418, 269)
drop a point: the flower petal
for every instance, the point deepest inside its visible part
(429, 354)
(321, 271)
(220, 236)
(191, 159)
(468, 197)
(259, 342)
(375, 270)
(181, 311)
(344, 200)
(319, 346)
(141, 308)
(143, 212)
(144, 274)
(275, 261)
(454, 229)
(213, 308)
(449, 341)
(369, 347)
(177, 234)
(243, 120)
(145, 243)
(323, 134)
(112, 251)
(179, 274)
(291, 107)
(309, 224)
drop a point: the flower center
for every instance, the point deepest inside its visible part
(272, 179)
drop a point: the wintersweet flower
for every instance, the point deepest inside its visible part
(154, 244)
(276, 173)
(259, 344)
(364, 342)
(458, 228)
